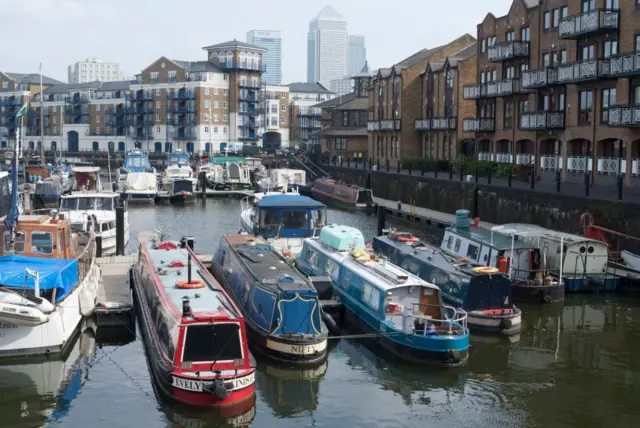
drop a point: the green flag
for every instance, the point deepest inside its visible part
(22, 111)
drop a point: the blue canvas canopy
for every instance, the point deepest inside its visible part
(288, 201)
(59, 274)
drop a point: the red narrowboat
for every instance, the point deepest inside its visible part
(342, 196)
(194, 335)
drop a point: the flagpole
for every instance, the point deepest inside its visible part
(42, 160)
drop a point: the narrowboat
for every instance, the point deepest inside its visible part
(533, 280)
(405, 313)
(48, 281)
(483, 292)
(194, 334)
(280, 306)
(581, 263)
(136, 179)
(283, 220)
(343, 196)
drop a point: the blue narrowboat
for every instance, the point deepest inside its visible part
(483, 292)
(280, 306)
(405, 312)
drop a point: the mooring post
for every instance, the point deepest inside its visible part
(586, 184)
(381, 219)
(203, 185)
(120, 230)
(98, 246)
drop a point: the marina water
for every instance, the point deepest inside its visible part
(574, 365)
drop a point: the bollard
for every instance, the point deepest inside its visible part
(378, 164)
(399, 207)
(586, 183)
(477, 175)
(620, 185)
(381, 219)
(558, 180)
(461, 172)
(189, 268)
(120, 230)
(341, 161)
(422, 170)
(203, 185)
(98, 246)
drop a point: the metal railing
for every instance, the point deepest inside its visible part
(455, 321)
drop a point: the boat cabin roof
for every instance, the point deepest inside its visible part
(289, 201)
(484, 236)
(40, 236)
(534, 231)
(85, 169)
(266, 265)
(74, 195)
(342, 238)
(210, 300)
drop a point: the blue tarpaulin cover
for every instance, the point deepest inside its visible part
(288, 201)
(61, 274)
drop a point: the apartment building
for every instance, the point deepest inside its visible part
(15, 90)
(345, 133)
(443, 136)
(276, 117)
(557, 87)
(304, 116)
(395, 102)
(94, 69)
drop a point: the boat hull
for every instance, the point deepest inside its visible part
(508, 324)
(526, 293)
(162, 372)
(139, 197)
(312, 351)
(182, 198)
(54, 336)
(340, 203)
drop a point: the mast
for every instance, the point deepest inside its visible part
(42, 160)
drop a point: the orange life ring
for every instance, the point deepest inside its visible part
(485, 269)
(407, 237)
(195, 283)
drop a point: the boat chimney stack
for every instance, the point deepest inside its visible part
(183, 242)
(186, 307)
(191, 241)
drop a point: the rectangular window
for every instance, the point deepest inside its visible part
(215, 117)
(473, 252)
(157, 129)
(484, 44)
(224, 104)
(215, 104)
(283, 121)
(610, 48)
(547, 20)
(154, 76)
(157, 118)
(564, 12)
(158, 92)
(556, 18)
(508, 116)
(206, 129)
(608, 100)
(97, 107)
(225, 92)
(283, 107)
(586, 105)
(546, 60)
(370, 296)
(587, 52)
(206, 117)
(206, 104)
(456, 248)
(157, 104)
(215, 129)
(612, 5)
(225, 118)
(525, 34)
(97, 119)
(215, 91)
(199, 346)
(588, 5)
(510, 36)
(42, 242)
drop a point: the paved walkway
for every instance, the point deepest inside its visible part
(605, 187)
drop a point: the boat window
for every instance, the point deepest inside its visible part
(331, 269)
(449, 242)
(319, 218)
(68, 241)
(472, 252)
(457, 247)
(42, 242)
(364, 196)
(268, 218)
(104, 204)
(85, 204)
(582, 249)
(313, 258)
(69, 204)
(217, 342)
(294, 219)
(60, 242)
(371, 296)
(590, 250)
(20, 243)
(347, 278)
(105, 227)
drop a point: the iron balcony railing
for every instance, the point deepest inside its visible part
(533, 79)
(622, 116)
(436, 124)
(579, 71)
(621, 65)
(508, 50)
(542, 120)
(182, 95)
(471, 92)
(589, 23)
(384, 125)
(242, 66)
(479, 124)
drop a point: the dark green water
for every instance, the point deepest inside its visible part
(574, 365)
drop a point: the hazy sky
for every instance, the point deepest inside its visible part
(136, 32)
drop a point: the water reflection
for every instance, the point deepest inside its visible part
(33, 392)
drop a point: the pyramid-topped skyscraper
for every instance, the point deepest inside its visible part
(327, 47)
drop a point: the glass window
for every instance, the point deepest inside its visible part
(42, 242)
(294, 219)
(69, 204)
(457, 247)
(85, 204)
(220, 341)
(547, 20)
(610, 48)
(331, 269)
(472, 252)
(370, 296)
(104, 204)
(313, 258)
(556, 17)
(449, 242)
(525, 34)
(564, 12)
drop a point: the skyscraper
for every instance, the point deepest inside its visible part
(327, 47)
(356, 54)
(271, 41)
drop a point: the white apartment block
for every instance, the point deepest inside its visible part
(92, 70)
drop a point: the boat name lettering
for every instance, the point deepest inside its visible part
(3, 325)
(304, 349)
(242, 382)
(8, 309)
(186, 384)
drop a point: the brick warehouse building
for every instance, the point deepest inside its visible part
(557, 87)
(395, 102)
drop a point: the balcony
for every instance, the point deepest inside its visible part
(436, 124)
(249, 112)
(621, 65)
(543, 120)
(508, 50)
(246, 85)
(142, 97)
(142, 110)
(622, 116)
(250, 98)
(248, 138)
(534, 79)
(77, 100)
(383, 125)
(479, 124)
(501, 88)
(183, 95)
(589, 23)
(472, 92)
(579, 71)
(122, 111)
(230, 66)
(248, 124)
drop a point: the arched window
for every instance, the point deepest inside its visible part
(167, 147)
(32, 145)
(138, 145)
(122, 146)
(190, 147)
(157, 148)
(111, 146)
(207, 147)
(39, 144)
(95, 146)
(54, 146)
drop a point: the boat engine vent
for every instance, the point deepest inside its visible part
(462, 219)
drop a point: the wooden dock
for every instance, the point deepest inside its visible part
(114, 306)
